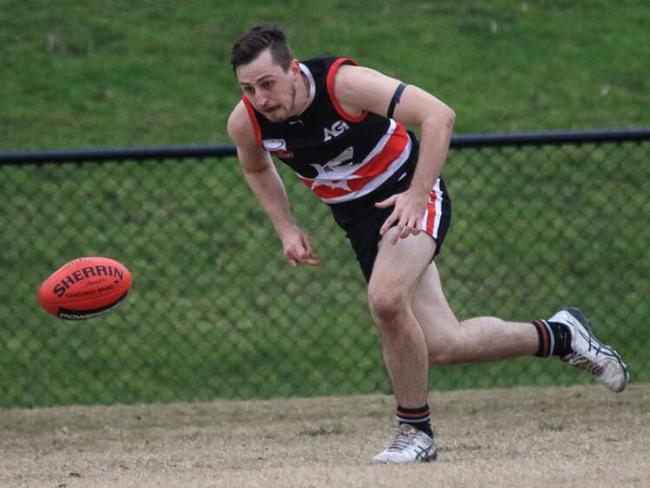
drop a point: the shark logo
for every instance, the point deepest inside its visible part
(343, 184)
(331, 174)
(329, 169)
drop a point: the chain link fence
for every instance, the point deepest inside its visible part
(215, 311)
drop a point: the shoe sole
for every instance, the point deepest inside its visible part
(577, 314)
(430, 458)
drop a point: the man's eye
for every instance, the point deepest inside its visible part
(267, 85)
(249, 90)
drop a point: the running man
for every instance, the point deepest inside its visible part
(342, 129)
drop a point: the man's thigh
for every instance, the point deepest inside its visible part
(400, 265)
(431, 308)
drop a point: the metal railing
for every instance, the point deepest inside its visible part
(225, 150)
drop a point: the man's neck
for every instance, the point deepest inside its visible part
(302, 94)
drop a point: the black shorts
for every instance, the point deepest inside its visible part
(361, 220)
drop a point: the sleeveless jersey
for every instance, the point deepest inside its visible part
(341, 157)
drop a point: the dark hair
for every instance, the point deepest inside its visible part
(256, 40)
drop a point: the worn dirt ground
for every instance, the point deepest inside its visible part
(580, 436)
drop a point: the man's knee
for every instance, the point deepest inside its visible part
(386, 303)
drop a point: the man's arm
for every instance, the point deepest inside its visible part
(266, 184)
(358, 89)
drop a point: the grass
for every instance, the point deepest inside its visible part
(215, 312)
(118, 73)
(484, 438)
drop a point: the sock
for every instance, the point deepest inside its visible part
(554, 339)
(420, 418)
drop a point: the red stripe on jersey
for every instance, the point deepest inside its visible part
(331, 73)
(431, 214)
(394, 147)
(251, 115)
(325, 192)
(390, 152)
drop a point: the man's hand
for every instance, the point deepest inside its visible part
(297, 247)
(408, 212)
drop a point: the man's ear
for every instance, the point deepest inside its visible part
(294, 66)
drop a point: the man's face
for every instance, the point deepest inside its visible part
(270, 89)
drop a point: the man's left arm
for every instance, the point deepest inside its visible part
(359, 88)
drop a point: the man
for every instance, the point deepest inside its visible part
(340, 127)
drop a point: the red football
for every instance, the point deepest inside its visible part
(84, 288)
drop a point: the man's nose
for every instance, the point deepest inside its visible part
(261, 99)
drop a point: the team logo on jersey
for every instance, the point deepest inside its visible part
(336, 171)
(275, 144)
(331, 167)
(338, 128)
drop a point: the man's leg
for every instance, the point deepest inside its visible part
(473, 340)
(390, 295)
(569, 335)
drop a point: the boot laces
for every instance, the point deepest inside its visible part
(581, 362)
(403, 438)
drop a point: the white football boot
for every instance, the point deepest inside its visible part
(409, 445)
(589, 354)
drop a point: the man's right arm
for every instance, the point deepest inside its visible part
(266, 184)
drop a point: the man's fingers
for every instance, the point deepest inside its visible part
(311, 262)
(289, 256)
(389, 202)
(303, 255)
(307, 252)
(304, 260)
(404, 216)
(413, 226)
(404, 230)
(308, 255)
(392, 218)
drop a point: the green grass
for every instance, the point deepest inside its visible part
(122, 73)
(215, 311)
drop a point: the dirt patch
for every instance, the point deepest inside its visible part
(569, 437)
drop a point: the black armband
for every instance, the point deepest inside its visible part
(395, 100)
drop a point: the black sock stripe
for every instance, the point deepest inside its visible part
(413, 415)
